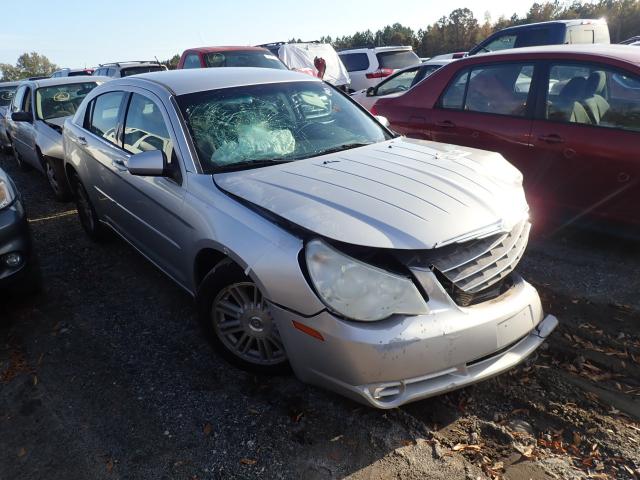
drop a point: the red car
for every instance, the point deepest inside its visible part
(208, 57)
(567, 116)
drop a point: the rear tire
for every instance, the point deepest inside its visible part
(86, 213)
(237, 322)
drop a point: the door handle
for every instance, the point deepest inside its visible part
(118, 163)
(82, 141)
(445, 124)
(552, 138)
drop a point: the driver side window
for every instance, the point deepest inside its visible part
(105, 114)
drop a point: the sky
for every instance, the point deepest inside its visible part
(83, 33)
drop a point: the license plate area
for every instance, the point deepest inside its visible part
(513, 328)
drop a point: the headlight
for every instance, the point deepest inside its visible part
(357, 290)
(7, 195)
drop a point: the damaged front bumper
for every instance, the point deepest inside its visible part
(407, 358)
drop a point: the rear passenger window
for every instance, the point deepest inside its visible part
(593, 95)
(498, 89)
(104, 115)
(145, 130)
(453, 97)
(354, 62)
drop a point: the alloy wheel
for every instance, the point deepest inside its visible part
(243, 323)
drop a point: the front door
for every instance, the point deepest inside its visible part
(149, 209)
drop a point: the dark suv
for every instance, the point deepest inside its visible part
(556, 32)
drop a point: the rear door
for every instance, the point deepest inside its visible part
(591, 161)
(489, 107)
(100, 154)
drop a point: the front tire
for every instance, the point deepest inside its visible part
(86, 213)
(54, 170)
(21, 165)
(238, 323)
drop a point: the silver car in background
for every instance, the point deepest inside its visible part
(379, 267)
(7, 91)
(34, 124)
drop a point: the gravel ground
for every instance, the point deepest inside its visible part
(106, 375)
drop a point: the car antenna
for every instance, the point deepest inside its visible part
(157, 61)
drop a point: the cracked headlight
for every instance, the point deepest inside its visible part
(357, 290)
(7, 195)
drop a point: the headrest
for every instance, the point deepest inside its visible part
(574, 89)
(596, 83)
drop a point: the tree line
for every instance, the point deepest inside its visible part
(460, 31)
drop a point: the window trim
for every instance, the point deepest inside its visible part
(168, 125)
(92, 106)
(531, 101)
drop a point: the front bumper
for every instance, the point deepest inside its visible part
(403, 359)
(14, 237)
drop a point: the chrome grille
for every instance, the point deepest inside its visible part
(477, 265)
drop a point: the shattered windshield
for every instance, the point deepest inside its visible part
(250, 125)
(61, 100)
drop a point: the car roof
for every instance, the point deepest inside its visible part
(10, 84)
(226, 48)
(378, 49)
(192, 80)
(618, 52)
(52, 82)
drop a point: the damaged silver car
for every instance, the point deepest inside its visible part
(380, 267)
(34, 124)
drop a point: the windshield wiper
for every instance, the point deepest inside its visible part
(248, 164)
(340, 148)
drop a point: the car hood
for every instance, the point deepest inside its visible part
(401, 194)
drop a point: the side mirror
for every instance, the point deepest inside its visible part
(371, 91)
(22, 117)
(147, 164)
(384, 121)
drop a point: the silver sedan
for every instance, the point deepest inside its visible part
(311, 237)
(34, 124)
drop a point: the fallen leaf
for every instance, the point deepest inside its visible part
(22, 452)
(463, 446)
(248, 461)
(207, 429)
(577, 439)
(109, 465)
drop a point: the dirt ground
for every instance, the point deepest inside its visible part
(106, 375)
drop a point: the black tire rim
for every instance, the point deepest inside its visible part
(84, 209)
(51, 176)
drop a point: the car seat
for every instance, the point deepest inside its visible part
(597, 106)
(567, 107)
